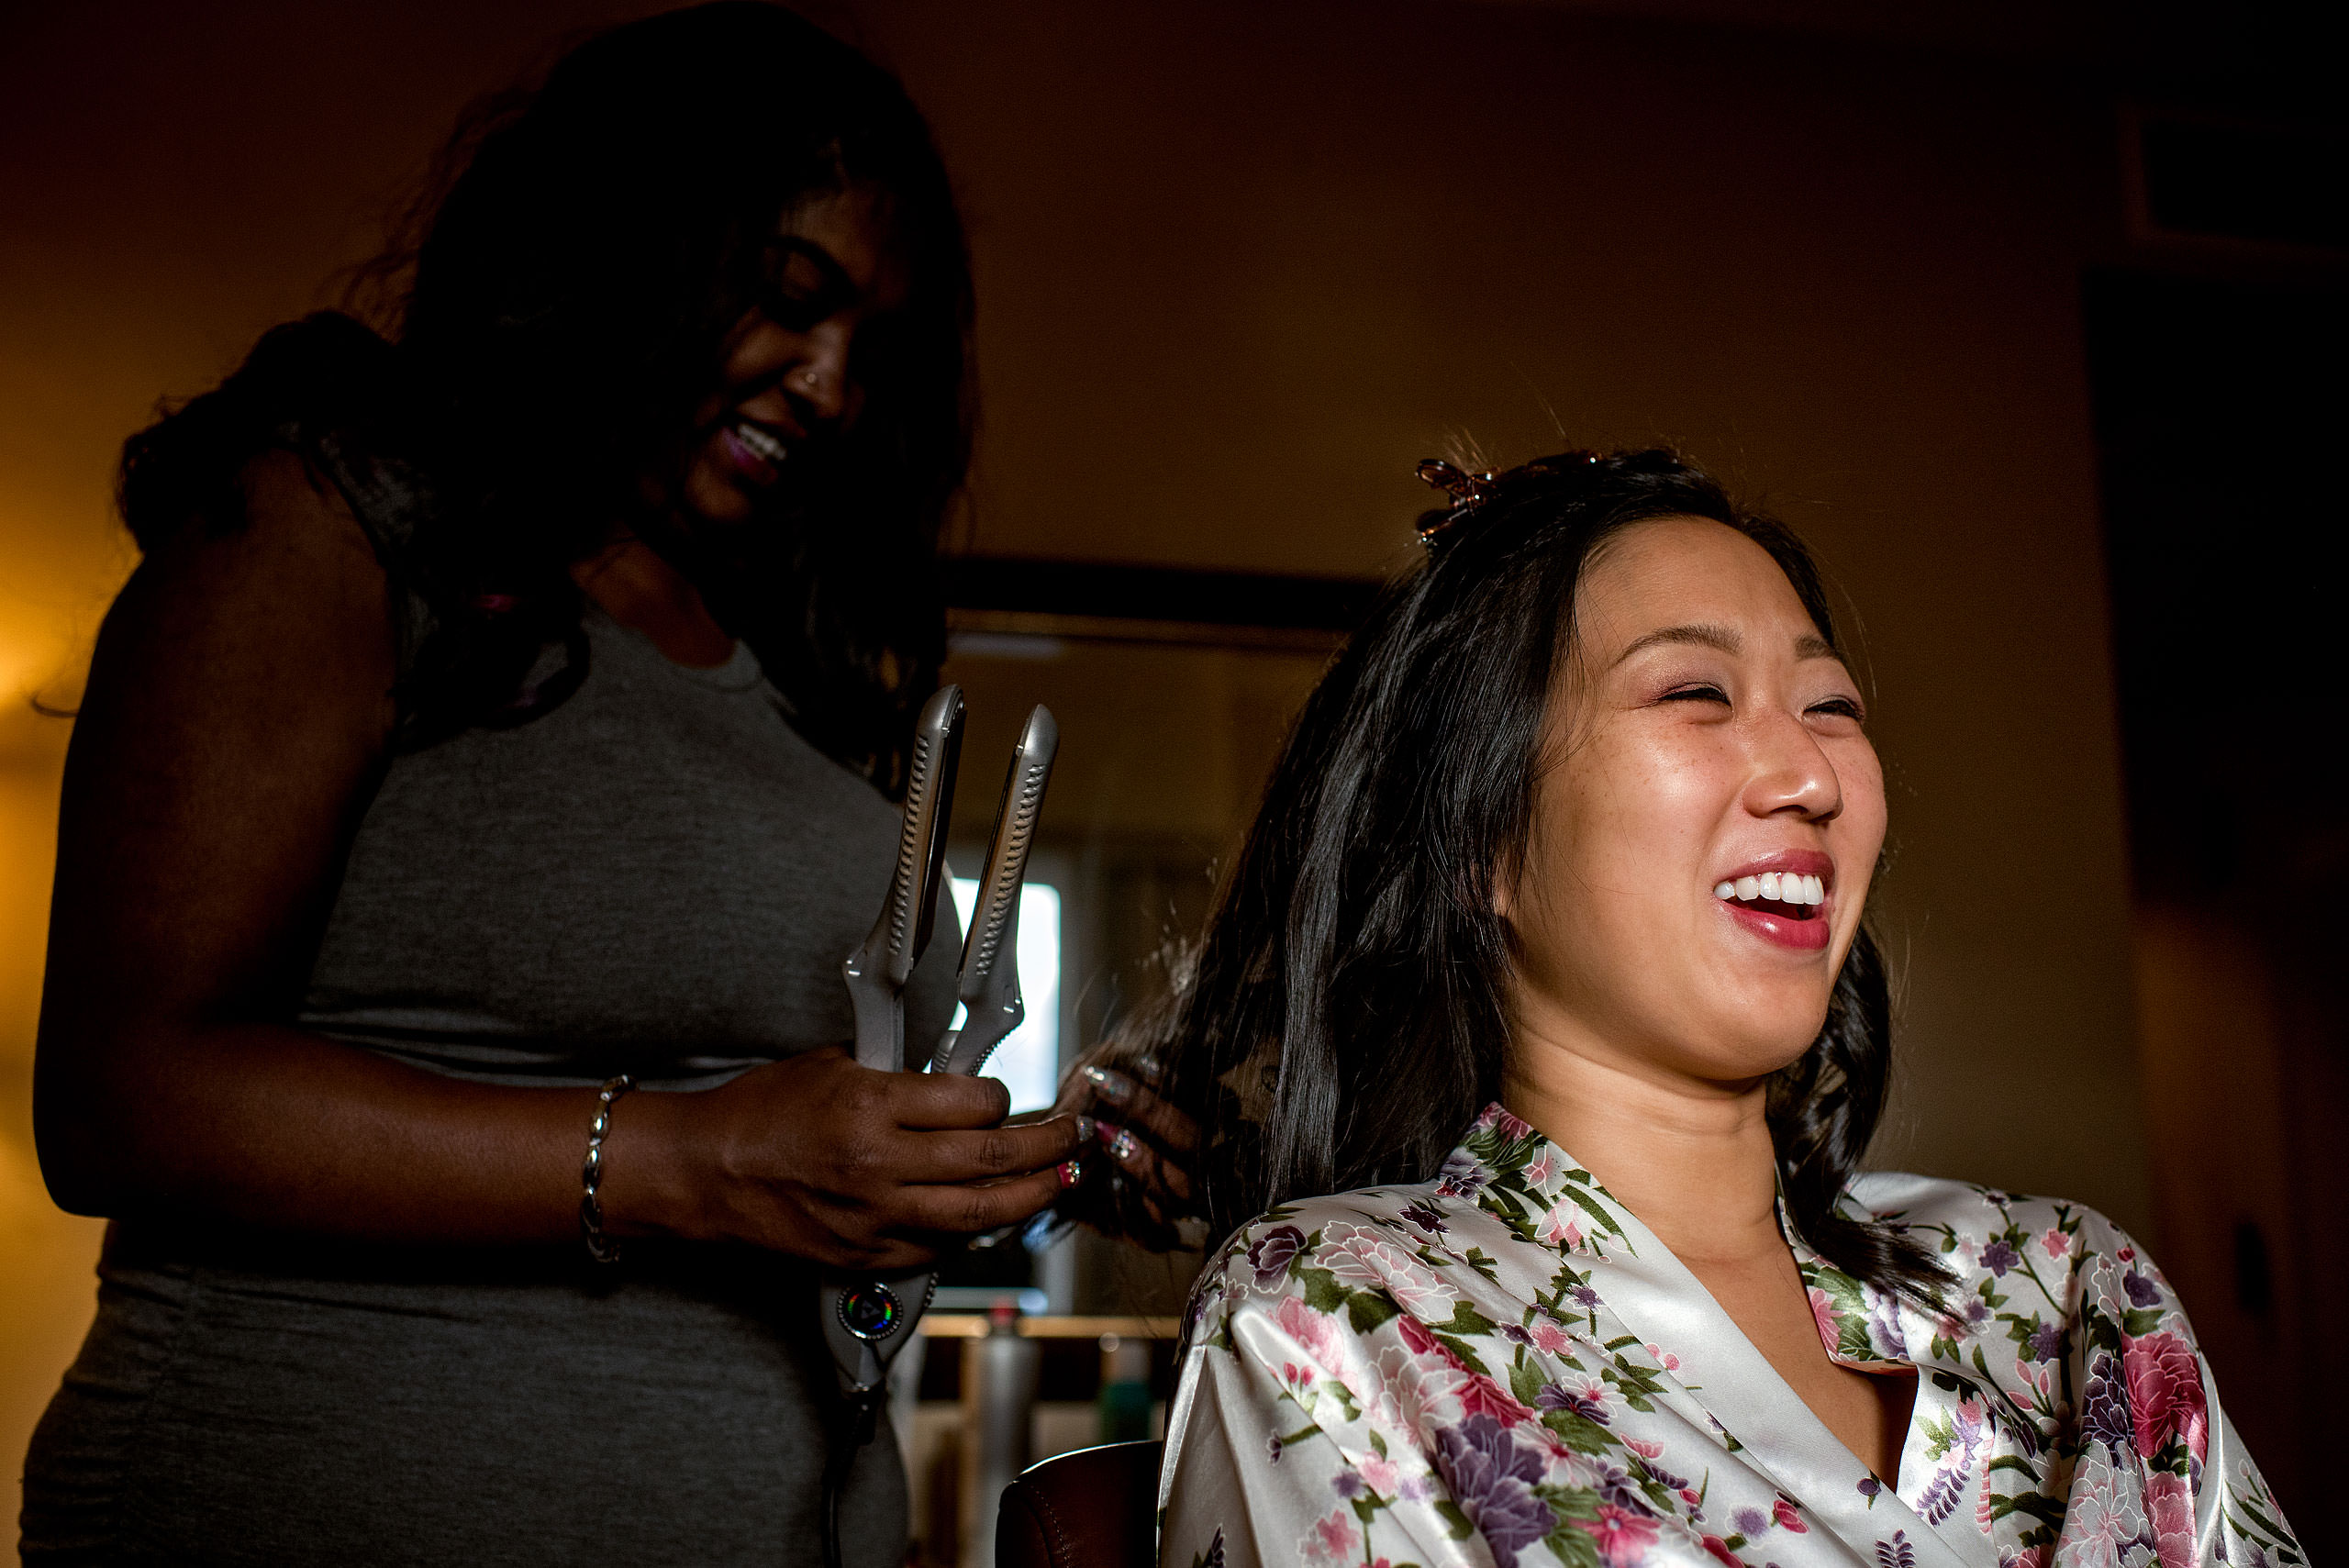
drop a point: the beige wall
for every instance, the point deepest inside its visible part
(1241, 266)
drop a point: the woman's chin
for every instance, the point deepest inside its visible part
(711, 498)
(1756, 1033)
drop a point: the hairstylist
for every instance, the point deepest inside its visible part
(504, 714)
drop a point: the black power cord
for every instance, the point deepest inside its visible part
(859, 1416)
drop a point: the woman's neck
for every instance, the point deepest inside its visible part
(644, 593)
(1691, 1158)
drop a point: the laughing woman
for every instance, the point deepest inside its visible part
(1546, 958)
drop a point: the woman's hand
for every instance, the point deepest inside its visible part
(1144, 1136)
(824, 1158)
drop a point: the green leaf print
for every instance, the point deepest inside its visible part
(1466, 1320)
(1579, 1433)
(1322, 1291)
(1366, 1309)
(1525, 1379)
(1464, 1350)
(1573, 1546)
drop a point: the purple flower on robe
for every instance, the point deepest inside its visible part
(1870, 1487)
(1558, 1397)
(1270, 1252)
(1885, 1335)
(1425, 1216)
(2142, 1291)
(2104, 1409)
(1493, 1478)
(1750, 1521)
(1664, 1477)
(1348, 1483)
(2046, 1341)
(1997, 1257)
(1977, 1311)
(1615, 1487)
(1584, 1297)
(1462, 1176)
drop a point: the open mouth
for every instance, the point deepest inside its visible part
(1785, 895)
(756, 452)
(762, 442)
(1786, 908)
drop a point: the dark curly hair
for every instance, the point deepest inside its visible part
(1343, 1019)
(556, 310)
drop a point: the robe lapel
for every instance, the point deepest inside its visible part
(1656, 1298)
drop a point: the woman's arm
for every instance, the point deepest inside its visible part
(237, 718)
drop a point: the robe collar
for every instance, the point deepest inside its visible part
(1613, 1264)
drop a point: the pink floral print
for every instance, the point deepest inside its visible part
(1433, 1374)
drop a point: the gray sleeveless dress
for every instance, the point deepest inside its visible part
(659, 876)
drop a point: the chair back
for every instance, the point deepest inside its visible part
(1095, 1508)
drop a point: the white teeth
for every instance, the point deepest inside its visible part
(762, 443)
(1778, 887)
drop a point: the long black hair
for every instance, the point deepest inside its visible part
(554, 313)
(1344, 1019)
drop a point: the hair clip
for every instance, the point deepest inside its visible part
(1467, 492)
(1470, 490)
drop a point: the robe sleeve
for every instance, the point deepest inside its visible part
(1272, 1459)
(2152, 1425)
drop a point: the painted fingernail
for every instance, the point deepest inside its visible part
(1147, 1065)
(1106, 1130)
(1122, 1147)
(1115, 1087)
(1071, 1173)
(1086, 1130)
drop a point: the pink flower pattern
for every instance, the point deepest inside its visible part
(2165, 1393)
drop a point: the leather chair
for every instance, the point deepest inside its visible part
(1095, 1508)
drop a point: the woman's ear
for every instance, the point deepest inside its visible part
(1504, 885)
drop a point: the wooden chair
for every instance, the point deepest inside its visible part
(1095, 1508)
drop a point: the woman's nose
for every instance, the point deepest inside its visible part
(820, 382)
(1792, 773)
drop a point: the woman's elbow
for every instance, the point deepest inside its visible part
(83, 1142)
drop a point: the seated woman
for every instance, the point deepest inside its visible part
(1546, 959)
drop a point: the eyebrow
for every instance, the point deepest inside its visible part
(835, 278)
(1811, 645)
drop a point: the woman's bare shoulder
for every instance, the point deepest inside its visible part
(289, 598)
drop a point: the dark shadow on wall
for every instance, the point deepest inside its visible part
(2220, 409)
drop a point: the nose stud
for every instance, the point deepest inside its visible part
(808, 379)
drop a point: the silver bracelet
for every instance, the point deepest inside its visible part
(600, 1247)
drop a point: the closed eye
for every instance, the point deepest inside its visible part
(1839, 707)
(1700, 693)
(803, 285)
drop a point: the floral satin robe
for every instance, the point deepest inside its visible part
(1506, 1366)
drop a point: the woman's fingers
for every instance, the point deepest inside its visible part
(966, 1210)
(989, 1152)
(1125, 1099)
(946, 1100)
(1165, 1181)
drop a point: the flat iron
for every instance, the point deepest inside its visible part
(868, 1319)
